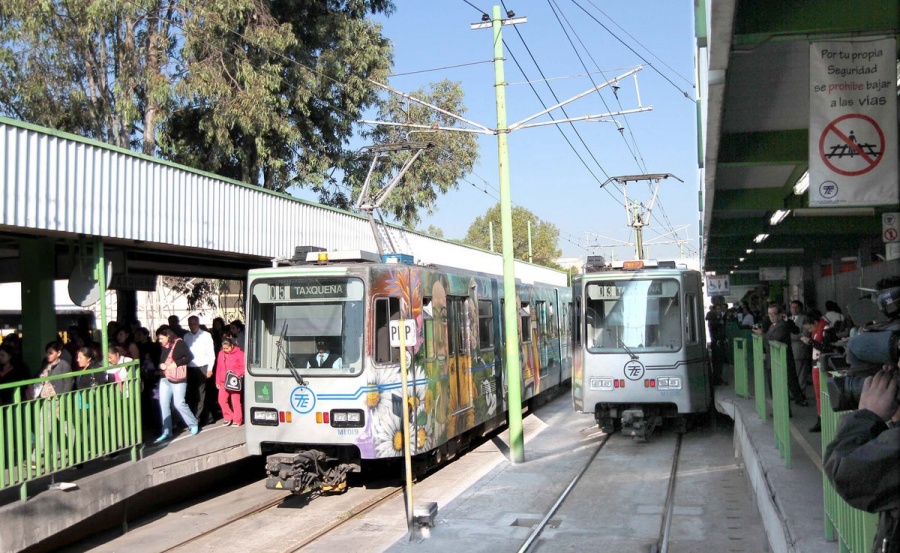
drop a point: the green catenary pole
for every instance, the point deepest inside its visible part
(510, 311)
(491, 232)
(530, 252)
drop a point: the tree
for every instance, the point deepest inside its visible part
(273, 94)
(544, 236)
(437, 170)
(437, 232)
(263, 91)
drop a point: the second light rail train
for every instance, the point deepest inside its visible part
(639, 345)
(317, 418)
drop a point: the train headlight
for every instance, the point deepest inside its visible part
(347, 418)
(263, 416)
(668, 383)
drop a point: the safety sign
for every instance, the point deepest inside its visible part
(853, 142)
(890, 227)
(842, 150)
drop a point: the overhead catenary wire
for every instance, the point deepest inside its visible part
(319, 74)
(565, 137)
(638, 157)
(555, 97)
(479, 10)
(589, 14)
(554, 8)
(679, 75)
(440, 68)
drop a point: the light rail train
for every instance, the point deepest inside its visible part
(317, 423)
(639, 345)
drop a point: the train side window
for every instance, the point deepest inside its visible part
(428, 318)
(576, 322)
(485, 324)
(525, 316)
(253, 349)
(543, 321)
(386, 310)
(691, 334)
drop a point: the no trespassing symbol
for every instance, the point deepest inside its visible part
(852, 145)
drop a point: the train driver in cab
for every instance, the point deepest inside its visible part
(324, 357)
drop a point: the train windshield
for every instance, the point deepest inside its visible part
(633, 316)
(313, 325)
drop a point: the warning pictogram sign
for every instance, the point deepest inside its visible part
(853, 133)
(890, 227)
(852, 144)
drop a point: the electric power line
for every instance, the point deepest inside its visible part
(679, 75)
(589, 14)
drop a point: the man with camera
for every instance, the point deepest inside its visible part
(863, 460)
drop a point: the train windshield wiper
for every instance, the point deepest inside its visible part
(279, 344)
(628, 351)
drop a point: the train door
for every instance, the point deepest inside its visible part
(577, 351)
(459, 358)
(695, 345)
(543, 337)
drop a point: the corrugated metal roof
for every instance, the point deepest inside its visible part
(62, 183)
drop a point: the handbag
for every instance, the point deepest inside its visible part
(233, 382)
(174, 373)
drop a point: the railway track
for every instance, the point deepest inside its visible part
(357, 511)
(662, 541)
(258, 515)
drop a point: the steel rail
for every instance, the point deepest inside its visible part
(540, 527)
(662, 544)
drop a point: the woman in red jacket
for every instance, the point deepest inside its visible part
(231, 359)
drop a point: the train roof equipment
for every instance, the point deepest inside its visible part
(597, 263)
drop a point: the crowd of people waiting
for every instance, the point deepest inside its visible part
(184, 368)
(808, 331)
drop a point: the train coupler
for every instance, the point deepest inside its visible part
(306, 472)
(637, 423)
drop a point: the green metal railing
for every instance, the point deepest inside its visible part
(759, 377)
(781, 407)
(741, 375)
(43, 436)
(854, 529)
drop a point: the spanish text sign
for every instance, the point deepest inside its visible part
(853, 123)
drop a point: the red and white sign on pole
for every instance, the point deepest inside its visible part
(853, 123)
(890, 227)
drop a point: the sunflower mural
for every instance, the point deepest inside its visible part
(384, 385)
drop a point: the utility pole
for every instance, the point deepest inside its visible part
(510, 305)
(510, 310)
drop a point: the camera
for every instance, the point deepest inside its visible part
(844, 390)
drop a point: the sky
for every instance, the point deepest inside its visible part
(547, 177)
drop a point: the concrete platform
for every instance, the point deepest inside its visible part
(789, 501)
(501, 500)
(108, 490)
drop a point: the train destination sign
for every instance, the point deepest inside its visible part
(616, 290)
(306, 289)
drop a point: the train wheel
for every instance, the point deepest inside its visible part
(681, 425)
(610, 425)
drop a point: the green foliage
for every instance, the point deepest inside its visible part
(436, 170)
(437, 232)
(274, 90)
(544, 236)
(266, 92)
